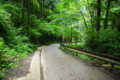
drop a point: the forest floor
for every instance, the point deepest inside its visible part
(58, 65)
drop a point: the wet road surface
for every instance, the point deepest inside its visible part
(58, 65)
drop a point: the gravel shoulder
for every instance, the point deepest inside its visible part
(22, 69)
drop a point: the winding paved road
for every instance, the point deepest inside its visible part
(58, 65)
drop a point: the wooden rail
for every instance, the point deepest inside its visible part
(101, 56)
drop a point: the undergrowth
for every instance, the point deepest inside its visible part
(9, 57)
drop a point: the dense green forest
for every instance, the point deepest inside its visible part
(26, 24)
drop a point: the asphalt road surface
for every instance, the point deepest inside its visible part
(58, 65)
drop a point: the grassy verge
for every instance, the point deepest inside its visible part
(92, 60)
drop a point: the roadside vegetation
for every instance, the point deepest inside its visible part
(93, 24)
(26, 24)
(22, 28)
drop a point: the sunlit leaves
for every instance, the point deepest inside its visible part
(36, 4)
(1, 42)
(4, 17)
(116, 9)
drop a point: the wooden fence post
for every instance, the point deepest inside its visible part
(76, 54)
(112, 67)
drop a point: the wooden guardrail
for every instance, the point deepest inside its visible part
(102, 56)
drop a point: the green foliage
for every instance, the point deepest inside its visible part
(104, 41)
(14, 45)
(3, 58)
(76, 45)
(10, 56)
(49, 32)
(49, 21)
(16, 38)
(40, 29)
(74, 53)
(35, 4)
(14, 11)
(5, 21)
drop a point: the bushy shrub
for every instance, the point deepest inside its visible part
(14, 45)
(104, 41)
(4, 58)
(5, 21)
(9, 56)
(15, 11)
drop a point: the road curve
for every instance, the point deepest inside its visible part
(58, 65)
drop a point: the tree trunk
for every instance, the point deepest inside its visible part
(88, 6)
(22, 3)
(79, 32)
(29, 5)
(83, 19)
(107, 14)
(39, 12)
(43, 7)
(98, 15)
(63, 34)
(71, 34)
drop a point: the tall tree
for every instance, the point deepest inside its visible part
(83, 18)
(107, 14)
(90, 13)
(29, 7)
(22, 3)
(98, 15)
